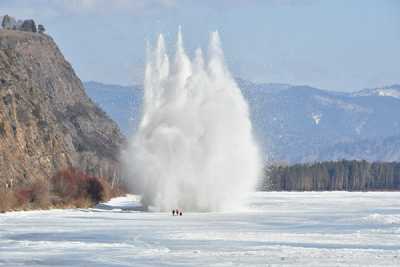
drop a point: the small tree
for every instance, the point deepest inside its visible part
(41, 28)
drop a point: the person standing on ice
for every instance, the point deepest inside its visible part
(173, 212)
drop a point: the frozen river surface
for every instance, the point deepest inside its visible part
(279, 229)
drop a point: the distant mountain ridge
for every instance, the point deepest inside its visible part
(122, 103)
(391, 91)
(379, 149)
(297, 123)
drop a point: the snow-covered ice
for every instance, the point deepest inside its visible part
(278, 229)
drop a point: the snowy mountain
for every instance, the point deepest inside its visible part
(294, 123)
(379, 149)
(391, 91)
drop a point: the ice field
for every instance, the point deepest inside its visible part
(278, 229)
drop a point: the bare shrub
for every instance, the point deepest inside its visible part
(8, 200)
(82, 203)
(40, 194)
(34, 195)
(75, 187)
(68, 188)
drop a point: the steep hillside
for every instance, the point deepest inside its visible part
(378, 149)
(47, 122)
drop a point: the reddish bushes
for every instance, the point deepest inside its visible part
(31, 196)
(73, 187)
(68, 188)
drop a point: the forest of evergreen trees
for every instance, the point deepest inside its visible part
(334, 175)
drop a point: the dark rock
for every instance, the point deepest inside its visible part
(7, 99)
(28, 25)
(41, 28)
(2, 129)
(8, 22)
(19, 24)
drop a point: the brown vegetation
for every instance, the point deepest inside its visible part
(79, 189)
(8, 200)
(68, 188)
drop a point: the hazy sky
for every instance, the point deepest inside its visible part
(340, 45)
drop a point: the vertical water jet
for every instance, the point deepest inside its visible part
(194, 148)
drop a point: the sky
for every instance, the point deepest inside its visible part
(342, 45)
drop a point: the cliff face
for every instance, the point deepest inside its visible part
(47, 122)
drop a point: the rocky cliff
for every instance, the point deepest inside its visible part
(47, 122)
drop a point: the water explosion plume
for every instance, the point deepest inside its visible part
(194, 147)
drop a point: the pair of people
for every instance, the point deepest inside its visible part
(176, 212)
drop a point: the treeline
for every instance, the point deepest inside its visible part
(334, 175)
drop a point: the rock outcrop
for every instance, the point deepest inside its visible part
(47, 122)
(8, 22)
(28, 25)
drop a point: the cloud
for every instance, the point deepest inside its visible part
(81, 7)
(104, 6)
(54, 8)
(241, 3)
